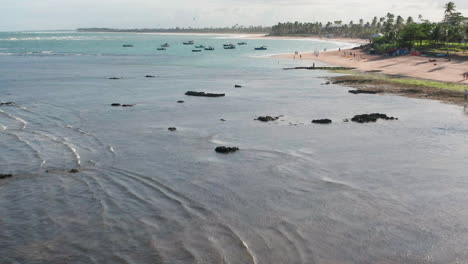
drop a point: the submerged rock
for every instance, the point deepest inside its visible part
(74, 170)
(150, 76)
(193, 93)
(267, 118)
(172, 129)
(180, 101)
(321, 121)
(237, 86)
(222, 119)
(366, 118)
(7, 103)
(114, 78)
(4, 176)
(115, 104)
(358, 91)
(225, 150)
(128, 105)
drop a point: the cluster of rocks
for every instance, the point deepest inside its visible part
(366, 118)
(193, 93)
(123, 105)
(4, 176)
(225, 150)
(267, 118)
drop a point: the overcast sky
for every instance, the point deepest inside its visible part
(72, 14)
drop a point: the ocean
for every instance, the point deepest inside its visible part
(387, 192)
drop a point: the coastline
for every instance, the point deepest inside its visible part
(413, 76)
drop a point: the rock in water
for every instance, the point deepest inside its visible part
(172, 129)
(114, 78)
(358, 91)
(225, 150)
(115, 104)
(149, 76)
(4, 176)
(193, 93)
(7, 104)
(180, 101)
(321, 121)
(267, 118)
(127, 105)
(237, 86)
(74, 170)
(366, 118)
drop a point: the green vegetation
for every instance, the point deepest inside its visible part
(388, 79)
(390, 31)
(233, 29)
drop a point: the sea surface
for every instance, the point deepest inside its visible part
(386, 192)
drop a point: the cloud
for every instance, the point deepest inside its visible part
(71, 14)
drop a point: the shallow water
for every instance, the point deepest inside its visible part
(296, 192)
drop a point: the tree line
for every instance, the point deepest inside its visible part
(394, 29)
(233, 29)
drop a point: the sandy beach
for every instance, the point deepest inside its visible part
(412, 66)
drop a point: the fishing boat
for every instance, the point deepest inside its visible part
(241, 43)
(161, 48)
(229, 46)
(196, 50)
(165, 45)
(261, 48)
(209, 48)
(200, 47)
(190, 42)
(127, 45)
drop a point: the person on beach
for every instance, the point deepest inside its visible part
(300, 56)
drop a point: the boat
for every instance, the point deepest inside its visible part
(190, 42)
(200, 47)
(127, 45)
(261, 48)
(161, 48)
(196, 50)
(209, 48)
(241, 43)
(229, 46)
(165, 45)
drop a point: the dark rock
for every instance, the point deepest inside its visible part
(7, 103)
(4, 176)
(267, 118)
(226, 150)
(172, 129)
(222, 120)
(114, 78)
(149, 76)
(358, 91)
(327, 83)
(180, 101)
(321, 121)
(237, 86)
(365, 118)
(74, 170)
(192, 93)
(128, 105)
(346, 120)
(115, 104)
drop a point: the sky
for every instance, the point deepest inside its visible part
(16, 15)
